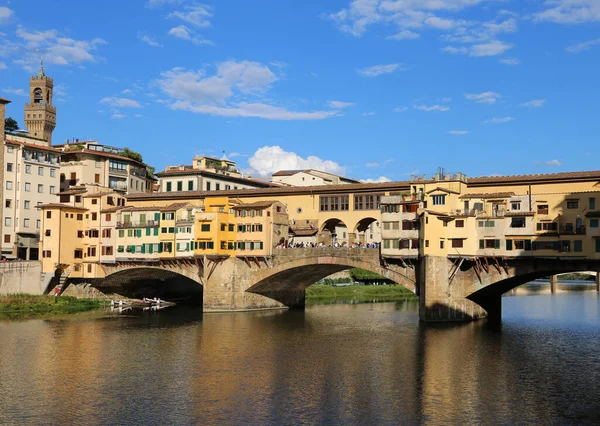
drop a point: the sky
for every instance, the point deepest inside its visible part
(374, 90)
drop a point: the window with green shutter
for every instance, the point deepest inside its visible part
(148, 232)
(157, 216)
(509, 244)
(577, 246)
(481, 244)
(155, 232)
(121, 233)
(150, 248)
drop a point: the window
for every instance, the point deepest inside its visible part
(208, 186)
(97, 178)
(94, 216)
(40, 188)
(334, 203)
(94, 201)
(7, 238)
(27, 186)
(48, 232)
(190, 185)
(168, 186)
(26, 223)
(577, 246)
(91, 251)
(547, 226)
(8, 184)
(572, 204)
(9, 167)
(179, 185)
(231, 227)
(7, 221)
(459, 224)
(593, 223)
(407, 225)
(438, 200)
(106, 233)
(10, 149)
(592, 204)
(48, 215)
(28, 169)
(52, 172)
(26, 204)
(367, 202)
(46, 253)
(546, 245)
(489, 244)
(487, 223)
(52, 189)
(456, 243)
(108, 217)
(517, 222)
(515, 205)
(205, 227)
(217, 187)
(441, 244)
(8, 203)
(40, 171)
(79, 216)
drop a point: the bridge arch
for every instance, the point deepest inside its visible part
(298, 273)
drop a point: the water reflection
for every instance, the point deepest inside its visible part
(350, 364)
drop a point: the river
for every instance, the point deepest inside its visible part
(333, 364)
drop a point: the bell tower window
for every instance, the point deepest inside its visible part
(38, 97)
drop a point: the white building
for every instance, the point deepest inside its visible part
(309, 177)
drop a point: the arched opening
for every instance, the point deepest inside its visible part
(38, 96)
(367, 232)
(334, 232)
(138, 283)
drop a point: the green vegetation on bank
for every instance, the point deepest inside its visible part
(319, 292)
(577, 277)
(358, 275)
(24, 304)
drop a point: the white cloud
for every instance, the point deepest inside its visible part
(16, 92)
(510, 61)
(117, 116)
(401, 109)
(491, 48)
(580, 47)
(551, 163)
(368, 114)
(5, 14)
(404, 35)
(458, 132)
(269, 159)
(431, 108)
(380, 179)
(197, 15)
(377, 70)
(340, 104)
(188, 34)
(483, 98)
(535, 103)
(569, 11)
(499, 120)
(3, 66)
(54, 48)
(148, 40)
(229, 92)
(121, 102)
(372, 165)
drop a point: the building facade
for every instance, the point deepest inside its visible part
(91, 163)
(309, 177)
(206, 174)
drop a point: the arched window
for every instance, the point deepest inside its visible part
(38, 96)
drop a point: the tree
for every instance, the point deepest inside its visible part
(11, 125)
(129, 153)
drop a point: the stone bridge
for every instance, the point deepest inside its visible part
(449, 289)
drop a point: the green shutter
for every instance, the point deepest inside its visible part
(150, 248)
(528, 245)
(497, 244)
(160, 247)
(156, 232)
(156, 216)
(143, 248)
(509, 244)
(481, 244)
(121, 233)
(148, 232)
(187, 246)
(539, 226)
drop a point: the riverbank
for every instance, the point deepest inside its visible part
(23, 304)
(358, 293)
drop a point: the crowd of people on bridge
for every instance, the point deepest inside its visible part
(302, 245)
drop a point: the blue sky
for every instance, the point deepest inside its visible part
(372, 89)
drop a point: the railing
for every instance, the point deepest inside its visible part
(146, 224)
(569, 230)
(118, 185)
(117, 171)
(189, 221)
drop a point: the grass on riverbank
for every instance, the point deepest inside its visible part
(32, 305)
(359, 292)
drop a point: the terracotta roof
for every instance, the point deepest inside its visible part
(439, 188)
(173, 207)
(4, 101)
(434, 213)
(592, 174)
(72, 192)
(34, 146)
(61, 206)
(484, 196)
(100, 194)
(216, 175)
(258, 204)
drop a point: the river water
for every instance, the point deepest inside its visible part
(334, 364)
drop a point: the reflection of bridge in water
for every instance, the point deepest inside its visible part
(469, 289)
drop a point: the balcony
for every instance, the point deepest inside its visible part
(119, 186)
(182, 221)
(145, 224)
(570, 230)
(117, 171)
